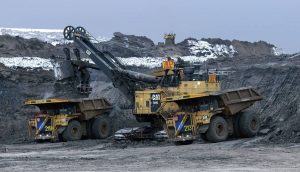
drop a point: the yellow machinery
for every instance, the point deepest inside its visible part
(186, 101)
(148, 102)
(70, 119)
(197, 108)
(214, 116)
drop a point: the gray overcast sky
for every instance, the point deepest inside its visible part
(275, 21)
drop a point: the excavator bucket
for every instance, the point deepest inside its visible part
(63, 70)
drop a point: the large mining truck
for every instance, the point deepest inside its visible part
(212, 115)
(183, 99)
(70, 119)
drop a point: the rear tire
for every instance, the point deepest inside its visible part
(236, 126)
(218, 130)
(101, 128)
(73, 131)
(249, 124)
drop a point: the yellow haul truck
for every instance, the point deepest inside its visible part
(199, 108)
(213, 116)
(70, 119)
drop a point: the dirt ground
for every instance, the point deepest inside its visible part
(105, 155)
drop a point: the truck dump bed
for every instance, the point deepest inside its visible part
(89, 108)
(92, 107)
(236, 100)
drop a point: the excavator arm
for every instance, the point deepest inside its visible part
(125, 80)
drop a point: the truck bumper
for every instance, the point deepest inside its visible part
(182, 138)
(44, 137)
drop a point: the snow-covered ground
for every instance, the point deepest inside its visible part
(152, 62)
(200, 50)
(207, 50)
(27, 62)
(47, 64)
(52, 36)
(295, 55)
(278, 51)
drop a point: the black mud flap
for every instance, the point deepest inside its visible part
(203, 128)
(60, 130)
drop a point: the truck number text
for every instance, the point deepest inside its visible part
(188, 128)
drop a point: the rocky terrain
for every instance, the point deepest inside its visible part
(259, 64)
(103, 155)
(44, 43)
(26, 72)
(278, 82)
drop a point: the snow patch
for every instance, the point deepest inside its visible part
(52, 36)
(153, 62)
(277, 51)
(48, 64)
(27, 62)
(295, 55)
(207, 50)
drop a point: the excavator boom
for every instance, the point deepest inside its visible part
(125, 80)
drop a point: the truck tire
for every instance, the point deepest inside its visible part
(249, 124)
(73, 131)
(218, 130)
(236, 126)
(101, 128)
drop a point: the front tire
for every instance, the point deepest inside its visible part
(73, 131)
(101, 128)
(218, 130)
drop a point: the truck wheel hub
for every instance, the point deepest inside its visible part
(103, 129)
(220, 129)
(74, 131)
(253, 124)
